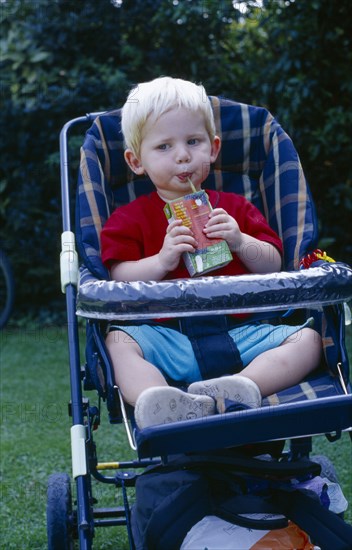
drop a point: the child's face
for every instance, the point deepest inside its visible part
(175, 147)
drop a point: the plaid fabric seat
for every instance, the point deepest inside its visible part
(257, 160)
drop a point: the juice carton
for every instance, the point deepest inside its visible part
(193, 210)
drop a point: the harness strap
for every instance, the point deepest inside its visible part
(215, 350)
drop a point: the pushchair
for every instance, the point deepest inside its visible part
(259, 161)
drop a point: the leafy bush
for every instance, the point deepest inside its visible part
(299, 69)
(51, 73)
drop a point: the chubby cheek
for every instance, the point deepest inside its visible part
(205, 170)
(156, 171)
(159, 168)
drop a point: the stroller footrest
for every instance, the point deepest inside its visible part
(300, 419)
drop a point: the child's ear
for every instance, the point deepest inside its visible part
(215, 148)
(133, 162)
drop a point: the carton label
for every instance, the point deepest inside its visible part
(193, 210)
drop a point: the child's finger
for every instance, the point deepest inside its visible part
(172, 225)
(180, 230)
(217, 219)
(216, 212)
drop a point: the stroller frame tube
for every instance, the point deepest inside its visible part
(84, 521)
(79, 464)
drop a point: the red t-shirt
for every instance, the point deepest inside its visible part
(137, 230)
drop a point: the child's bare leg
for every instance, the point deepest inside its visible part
(133, 374)
(286, 365)
(159, 403)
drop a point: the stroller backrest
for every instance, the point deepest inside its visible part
(257, 160)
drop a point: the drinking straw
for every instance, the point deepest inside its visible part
(194, 190)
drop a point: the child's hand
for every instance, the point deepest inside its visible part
(223, 226)
(178, 239)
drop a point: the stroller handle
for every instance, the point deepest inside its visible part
(64, 164)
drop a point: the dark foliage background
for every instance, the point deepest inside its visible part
(63, 58)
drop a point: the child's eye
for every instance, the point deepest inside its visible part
(163, 146)
(193, 141)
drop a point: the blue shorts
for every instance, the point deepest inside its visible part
(171, 351)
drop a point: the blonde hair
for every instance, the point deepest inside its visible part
(155, 98)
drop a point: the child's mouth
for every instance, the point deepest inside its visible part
(184, 176)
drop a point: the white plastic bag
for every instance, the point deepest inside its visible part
(213, 533)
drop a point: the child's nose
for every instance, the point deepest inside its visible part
(182, 154)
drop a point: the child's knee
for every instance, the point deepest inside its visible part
(305, 337)
(313, 344)
(313, 337)
(308, 343)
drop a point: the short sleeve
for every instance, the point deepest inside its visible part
(121, 239)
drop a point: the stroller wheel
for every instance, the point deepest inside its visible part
(59, 515)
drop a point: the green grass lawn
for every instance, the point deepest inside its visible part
(35, 438)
